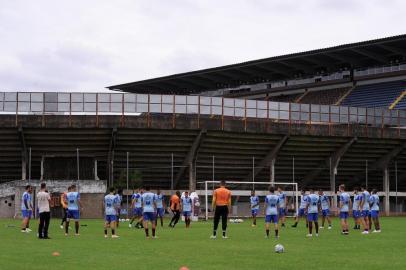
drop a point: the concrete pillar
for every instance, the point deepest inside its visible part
(96, 177)
(42, 168)
(272, 171)
(192, 177)
(386, 190)
(23, 168)
(333, 172)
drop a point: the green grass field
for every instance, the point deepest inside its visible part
(245, 249)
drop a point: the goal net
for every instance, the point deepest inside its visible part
(241, 193)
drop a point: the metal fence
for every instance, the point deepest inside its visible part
(49, 103)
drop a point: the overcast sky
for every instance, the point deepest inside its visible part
(86, 45)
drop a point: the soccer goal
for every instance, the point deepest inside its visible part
(241, 192)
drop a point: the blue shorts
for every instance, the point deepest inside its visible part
(374, 213)
(282, 212)
(365, 213)
(137, 211)
(254, 212)
(26, 213)
(187, 213)
(271, 219)
(325, 212)
(110, 218)
(149, 216)
(343, 215)
(312, 217)
(301, 212)
(160, 212)
(356, 213)
(73, 214)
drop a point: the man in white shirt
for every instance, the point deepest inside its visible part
(44, 212)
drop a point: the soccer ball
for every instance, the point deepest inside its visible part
(279, 248)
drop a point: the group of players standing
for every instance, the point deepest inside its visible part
(365, 210)
(148, 207)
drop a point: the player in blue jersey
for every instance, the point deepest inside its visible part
(111, 204)
(254, 203)
(137, 208)
(160, 207)
(325, 209)
(345, 204)
(302, 209)
(119, 196)
(356, 212)
(186, 206)
(74, 207)
(364, 206)
(148, 203)
(312, 208)
(374, 202)
(283, 202)
(26, 209)
(271, 211)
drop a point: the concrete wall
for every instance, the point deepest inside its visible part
(92, 193)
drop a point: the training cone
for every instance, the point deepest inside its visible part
(55, 253)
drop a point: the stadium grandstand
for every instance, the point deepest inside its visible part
(319, 118)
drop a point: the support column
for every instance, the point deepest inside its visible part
(333, 171)
(272, 171)
(23, 168)
(96, 177)
(386, 190)
(42, 168)
(192, 177)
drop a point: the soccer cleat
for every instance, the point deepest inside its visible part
(276, 237)
(28, 230)
(321, 227)
(266, 236)
(365, 232)
(61, 227)
(329, 227)
(317, 235)
(130, 225)
(105, 236)
(23, 231)
(376, 231)
(77, 234)
(253, 225)
(66, 234)
(155, 237)
(309, 235)
(115, 236)
(225, 237)
(213, 236)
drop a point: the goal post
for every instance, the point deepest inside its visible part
(242, 190)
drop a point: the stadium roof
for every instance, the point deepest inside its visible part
(370, 53)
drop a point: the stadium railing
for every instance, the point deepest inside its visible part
(128, 104)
